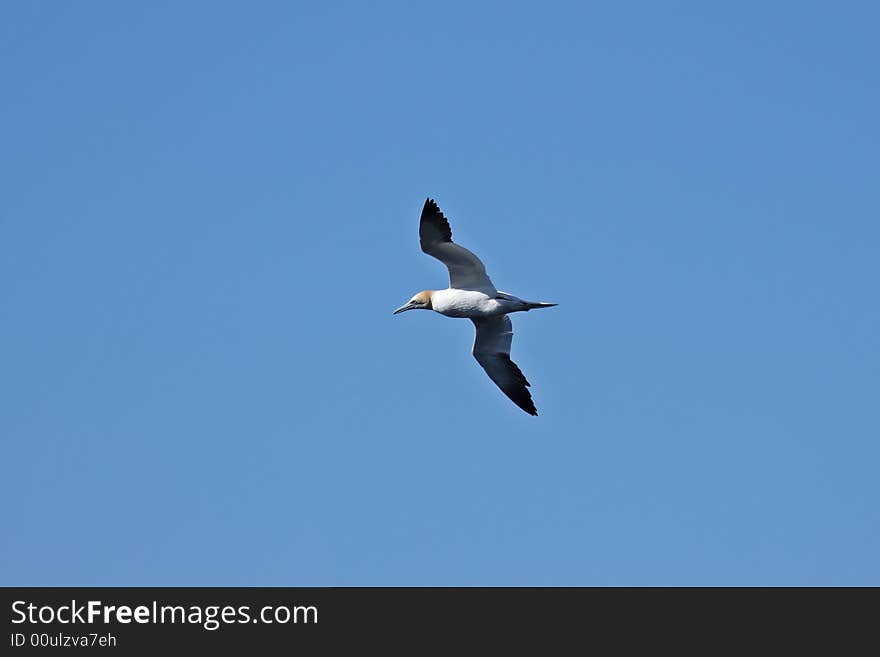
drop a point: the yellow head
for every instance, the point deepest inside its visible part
(420, 301)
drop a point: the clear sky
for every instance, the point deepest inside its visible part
(209, 211)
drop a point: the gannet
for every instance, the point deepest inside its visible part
(471, 294)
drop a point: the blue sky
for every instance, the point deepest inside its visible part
(210, 210)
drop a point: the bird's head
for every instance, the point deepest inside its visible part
(421, 301)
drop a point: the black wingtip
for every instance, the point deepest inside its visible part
(526, 407)
(435, 223)
(520, 396)
(430, 207)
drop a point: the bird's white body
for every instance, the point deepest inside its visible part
(473, 304)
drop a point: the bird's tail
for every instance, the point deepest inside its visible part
(538, 304)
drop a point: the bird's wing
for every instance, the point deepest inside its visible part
(466, 272)
(492, 351)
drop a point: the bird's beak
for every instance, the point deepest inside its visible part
(407, 306)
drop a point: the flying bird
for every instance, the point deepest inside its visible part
(471, 294)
